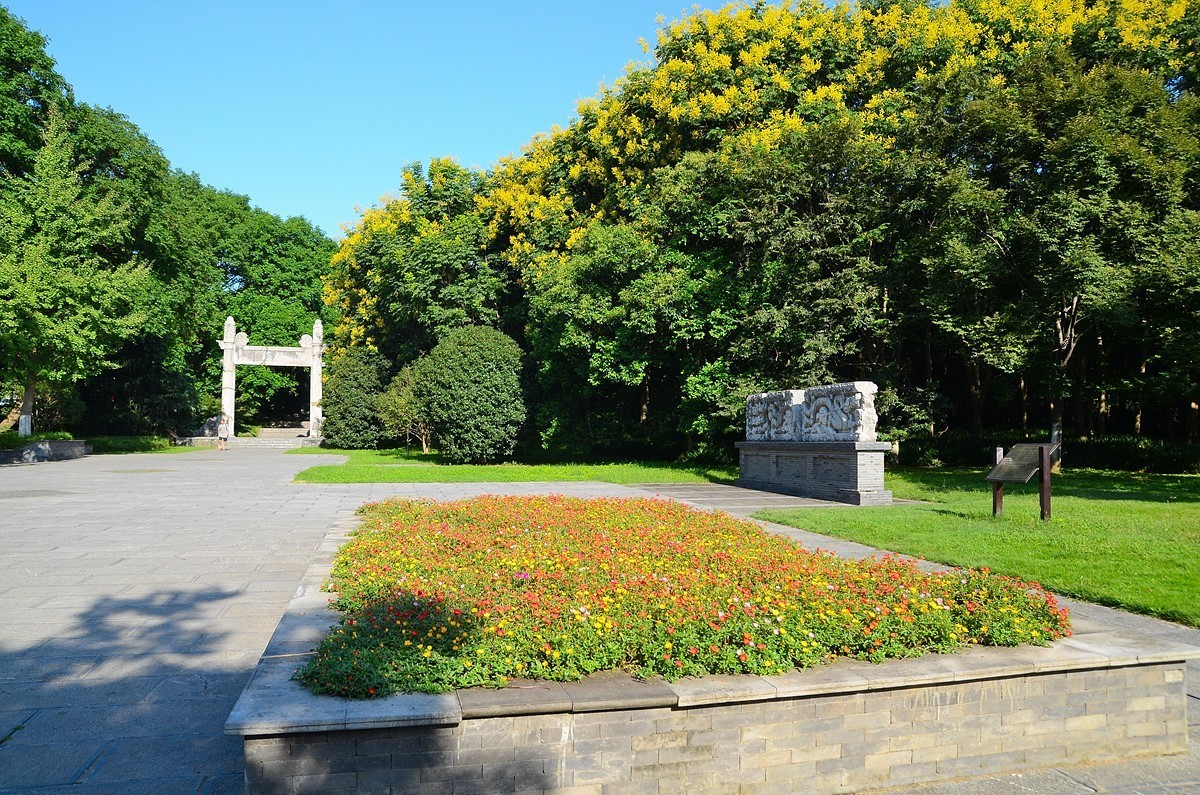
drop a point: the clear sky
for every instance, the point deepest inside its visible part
(312, 108)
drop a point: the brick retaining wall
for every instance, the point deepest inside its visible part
(867, 728)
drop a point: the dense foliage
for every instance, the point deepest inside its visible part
(468, 389)
(117, 272)
(439, 596)
(350, 402)
(989, 209)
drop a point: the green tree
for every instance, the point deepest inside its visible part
(421, 259)
(64, 307)
(29, 87)
(469, 389)
(609, 327)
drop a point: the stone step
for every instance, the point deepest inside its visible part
(282, 433)
(278, 444)
(252, 443)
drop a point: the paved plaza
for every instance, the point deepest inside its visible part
(137, 593)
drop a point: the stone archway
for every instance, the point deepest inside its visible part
(237, 350)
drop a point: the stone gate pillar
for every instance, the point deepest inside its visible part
(228, 371)
(315, 415)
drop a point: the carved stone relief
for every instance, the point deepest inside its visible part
(834, 412)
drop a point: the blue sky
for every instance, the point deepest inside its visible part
(312, 108)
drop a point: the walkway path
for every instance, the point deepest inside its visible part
(137, 593)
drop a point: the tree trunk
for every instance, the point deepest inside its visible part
(1083, 417)
(11, 419)
(1024, 387)
(1084, 408)
(1056, 419)
(929, 380)
(1194, 422)
(644, 414)
(1137, 416)
(25, 422)
(1102, 403)
(975, 386)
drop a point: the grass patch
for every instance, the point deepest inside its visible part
(1115, 538)
(136, 444)
(440, 596)
(397, 466)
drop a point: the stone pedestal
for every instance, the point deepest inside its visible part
(850, 472)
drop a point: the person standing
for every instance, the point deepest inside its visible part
(223, 433)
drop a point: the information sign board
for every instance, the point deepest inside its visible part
(1018, 466)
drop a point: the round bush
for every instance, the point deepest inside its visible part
(349, 400)
(469, 388)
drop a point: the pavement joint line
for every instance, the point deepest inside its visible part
(1075, 780)
(88, 766)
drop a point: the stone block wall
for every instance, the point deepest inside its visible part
(831, 742)
(34, 452)
(850, 472)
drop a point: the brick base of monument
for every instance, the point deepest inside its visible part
(846, 740)
(850, 472)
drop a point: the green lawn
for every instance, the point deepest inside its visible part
(1122, 539)
(396, 466)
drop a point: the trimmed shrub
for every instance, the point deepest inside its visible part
(349, 398)
(469, 389)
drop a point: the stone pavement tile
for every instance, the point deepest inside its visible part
(124, 721)
(13, 721)
(31, 666)
(62, 616)
(150, 786)
(169, 758)
(225, 784)
(53, 763)
(1181, 771)
(200, 686)
(76, 692)
(1037, 782)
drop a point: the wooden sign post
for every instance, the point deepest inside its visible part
(1019, 466)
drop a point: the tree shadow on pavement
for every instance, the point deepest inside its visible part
(130, 695)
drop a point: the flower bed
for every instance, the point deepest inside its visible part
(443, 596)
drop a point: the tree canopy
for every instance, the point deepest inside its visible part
(990, 209)
(116, 271)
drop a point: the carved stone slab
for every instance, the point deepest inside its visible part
(830, 413)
